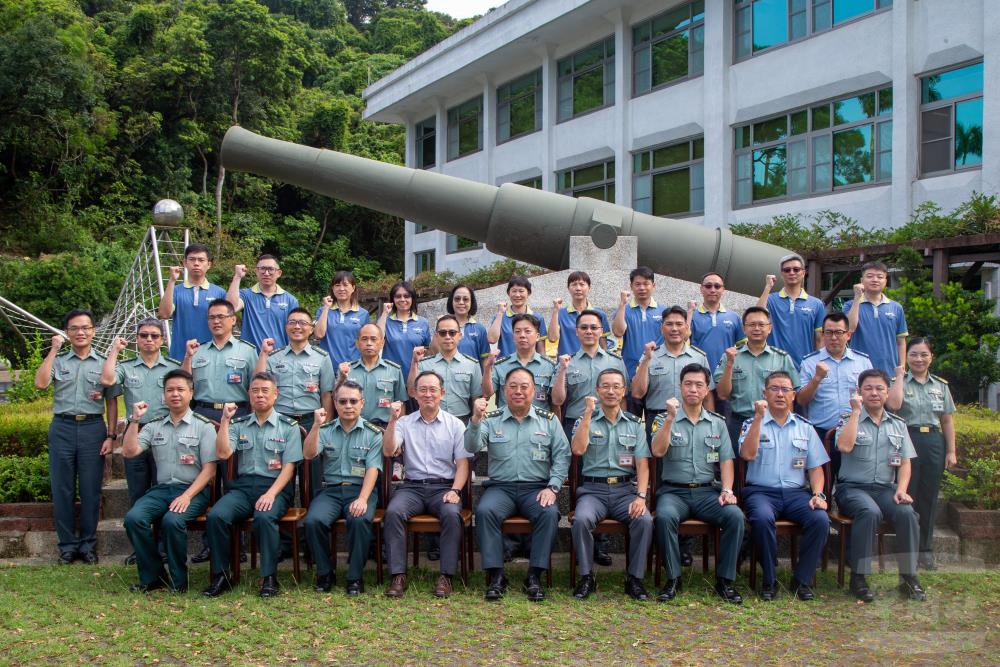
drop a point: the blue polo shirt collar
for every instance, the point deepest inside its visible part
(802, 294)
(278, 289)
(571, 309)
(353, 309)
(703, 310)
(511, 313)
(203, 285)
(413, 316)
(635, 304)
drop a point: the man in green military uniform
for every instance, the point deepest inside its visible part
(463, 377)
(349, 451)
(614, 463)
(142, 379)
(526, 336)
(381, 380)
(872, 485)
(78, 438)
(739, 375)
(183, 447)
(692, 441)
(267, 446)
(528, 461)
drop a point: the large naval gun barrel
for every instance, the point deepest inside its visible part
(530, 225)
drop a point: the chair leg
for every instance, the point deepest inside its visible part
(235, 534)
(253, 550)
(717, 539)
(464, 563)
(704, 553)
(826, 552)
(548, 572)
(378, 555)
(842, 534)
(572, 566)
(295, 554)
(333, 547)
(881, 551)
(656, 567)
(416, 549)
(627, 563)
(753, 566)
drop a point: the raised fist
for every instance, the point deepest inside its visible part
(344, 368)
(859, 291)
(267, 345)
(647, 350)
(759, 407)
(856, 401)
(564, 361)
(328, 301)
(692, 306)
(57, 342)
(490, 359)
(176, 272)
(319, 416)
(557, 303)
(623, 297)
(119, 345)
(770, 280)
(673, 405)
(822, 370)
(589, 403)
(386, 308)
(419, 353)
(240, 270)
(395, 410)
(191, 347)
(139, 409)
(501, 308)
(730, 354)
(479, 409)
(228, 410)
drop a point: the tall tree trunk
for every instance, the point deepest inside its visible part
(322, 234)
(204, 171)
(218, 209)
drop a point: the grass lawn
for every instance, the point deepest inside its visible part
(86, 615)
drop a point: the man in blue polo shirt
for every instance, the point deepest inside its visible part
(713, 328)
(878, 325)
(266, 305)
(187, 304)
(637, 320)
(796, 316)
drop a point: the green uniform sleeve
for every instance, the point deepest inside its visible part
(792, 371)
(949, 402)
(374, 458)
(725, 444)
(327, 378)
(146, 437)
(475, 437)
(641, 444)
(560, 454)
(399, 387)
(293, 446)
(206, 443)
(476, 386)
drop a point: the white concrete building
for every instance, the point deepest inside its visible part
(718, 111)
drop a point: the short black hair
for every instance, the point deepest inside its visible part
(526, 317)
(425, 374)
(674, 310)
(410, 289)
(197, 247)
(179, 373)
(302, 310)
(473, 304)
(267, 255)
(876, 265)
(695, 368)
(837, 316)
(592, 313)
(350, 384)
(577, 275)
(78, 312)
(755, 309)
(610, 371)
(223, 303)
(642, 272)
(778, 374)
(445, 318)
(873, 372)
(519, 369)
(713, 273)
(519, 281)
(266, 376)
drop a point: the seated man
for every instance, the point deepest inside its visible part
(267, 445)
(183, 448)
(780, 447)
(350, 451)
(875, 452)
(431, 442)
(528, 461)
(615, 467)
(691, 442)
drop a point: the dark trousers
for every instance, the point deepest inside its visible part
(326, 508)
(735, 424)
(594, 503)
(237, 505)
(674, 505)
(925, 482)
(216, 416)
(502, 500)
(599, 541)
(868, 504)
(153, 507)
(140, 475)
(75, 457)
(764, 505)
(411, 499)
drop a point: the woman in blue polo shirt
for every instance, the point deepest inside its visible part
(462, 304)
(340, 318)
(403, 328)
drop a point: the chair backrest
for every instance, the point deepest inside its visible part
(828, 445)
(305, 479)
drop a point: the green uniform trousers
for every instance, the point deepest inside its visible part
(150, 508)
(674, 505)
(325, 508)
(925, 482)
(238, 504)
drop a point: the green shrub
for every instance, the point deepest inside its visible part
(979, 489)
(977, 433)
(24, 479)
(24, 390)
(24, 434)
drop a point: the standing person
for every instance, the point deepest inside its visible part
(186, 305)
(403, 328)
(501, 328)
(797, 317)
(267, 446)
(878, 323)
(381, 380)
(525, 332)
(785, 478)
(183, 446)
(340, 318)
(529, 459)
(265, 306)
(873, 485)
(475, 340)
(350, 454)
(461, 375)
(614, 462)
(432, 444)
(924, 401)
(562, 324)
(78, 438)
(713, 328)
(637, 320)
(142, 379)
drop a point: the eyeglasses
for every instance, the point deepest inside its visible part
(606, 387)
(299, 323)
(348, 401)
(268, 269)
(792, 269)
(519, 387)
(461, 299)
(712, 285)
(428, 390)
(774, 389)
(74, 330)
(219, 317)
(835, 332)
(756, 325)
(150, 336)
(447, 333)
(920, 355)
(589, 327)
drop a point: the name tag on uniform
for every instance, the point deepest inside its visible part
(626, 460)
(895, 459)
(94, 394)
(63, 373)
(499, 437)
(937, 406)
(312, 387)
(235, 377)
(712, 456)
(541, 393)
(384, 402)
(357, 471)
(539, 455)
(187, 459)
(133, 382)
(798, 462)
(274, 464)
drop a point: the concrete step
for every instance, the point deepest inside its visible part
(114, 497)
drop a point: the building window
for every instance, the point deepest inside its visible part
(668, 48)
(423, 261)
(459, 243)
(420, 229)
(838, 144)
(763, 24)
(594, 180)
(535, 182)
(670, 179)
(951, 120)
(425, 136)
(519, 106)
(465, 128)
(587, 79)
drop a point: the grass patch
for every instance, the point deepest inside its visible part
(80, 614)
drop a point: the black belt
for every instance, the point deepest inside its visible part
(429, 481)
(693, 485)
(621, 479)
(218, 406)
(924, 428)
(78, 418)
(742, 415)
(297, 418)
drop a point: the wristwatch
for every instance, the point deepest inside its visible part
(641, 494)
(457, 492)
(554, 489)
(820, 495)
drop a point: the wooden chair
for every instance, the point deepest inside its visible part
(689, 527)
(842, 524)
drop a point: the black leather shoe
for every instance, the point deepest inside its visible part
(910, 588)
(269, 586)
(130, 559)
(496, 588)
(324, 583)
(670, 591)
(533, 588)
(802, 591)
(587, 585)
(89, 558)
(860, 589)
(724, 587)
(434, 554)
(768, 592)
(508, 555)
(67, 558)
(220, 584)
(243, 556)
(147, 588)
(355, 588)
(601, 557)
(202, 556)
(634, 589)
(686, 559)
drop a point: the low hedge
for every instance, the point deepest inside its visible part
(977, 433)
(24, 479)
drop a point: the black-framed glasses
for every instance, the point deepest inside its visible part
(268, 269)
(447, 333)
(299, 323)
(74, 330)
(792, 269)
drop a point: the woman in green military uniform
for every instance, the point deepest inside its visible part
(925, 402)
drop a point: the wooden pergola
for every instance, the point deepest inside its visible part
(939, 254)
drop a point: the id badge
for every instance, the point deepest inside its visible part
(895, 460)
(541, 394)
(539, 455)
(235, 377)
(626, 460)
(357, 471)
(187, 459)
(384, 402)
(274, 464)
(94, 394)
(798, 462)
(712, 456)
(312, 387)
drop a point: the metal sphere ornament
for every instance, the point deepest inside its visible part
(167, 213)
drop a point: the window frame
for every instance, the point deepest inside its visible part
(536, 92)
(430, 253)
(648, 44)
(677, 166)
(948, 103)
(606, 65)
(479, 123)
(453, 239)
(604, 182)
(419, 139)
